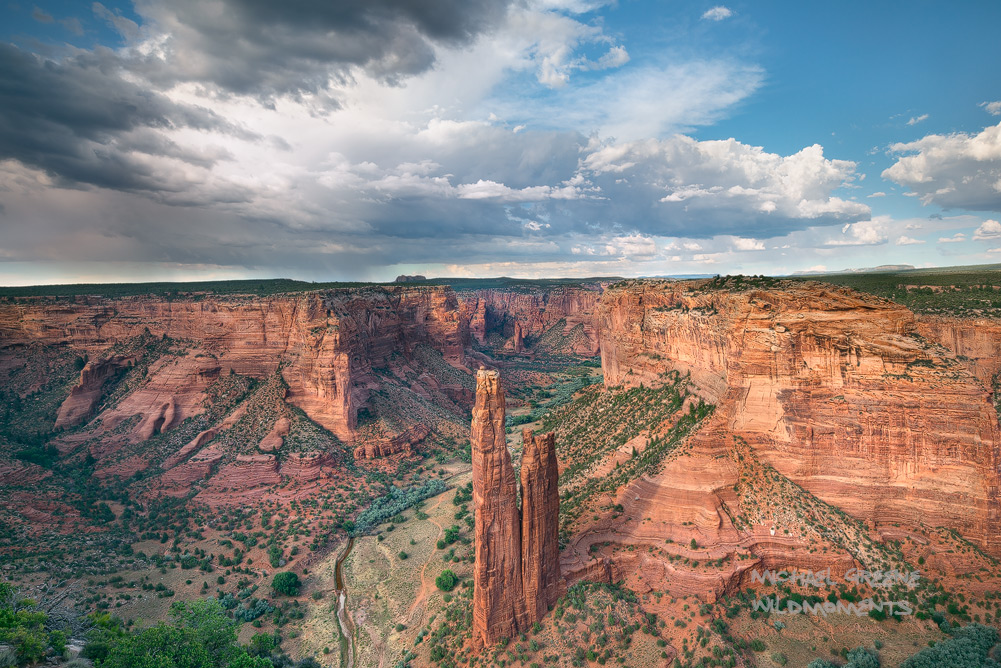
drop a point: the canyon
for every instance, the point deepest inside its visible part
(779, 423)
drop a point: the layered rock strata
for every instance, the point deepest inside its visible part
(834, 389)
(402, 442)
(327, 342)
(516, 571)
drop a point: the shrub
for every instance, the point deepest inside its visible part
(447, 580)
(968, 648)
(286, 583)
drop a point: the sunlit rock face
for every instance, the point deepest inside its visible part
(835, 389)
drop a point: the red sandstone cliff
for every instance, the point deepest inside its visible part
(975, 340)
(540, 516)
(84, 397)
(327, 342)
(829, 386)
(536, 312)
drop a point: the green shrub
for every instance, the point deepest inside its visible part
(447, 580)
(286, 583)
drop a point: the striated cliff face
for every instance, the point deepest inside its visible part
(516, 576)
(832, 388)
(978, 340)
(535, 313)
(327, 343)
(540, 516)
(498, 601)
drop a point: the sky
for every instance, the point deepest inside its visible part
(319, 140)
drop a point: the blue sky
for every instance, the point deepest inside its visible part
(317, 140)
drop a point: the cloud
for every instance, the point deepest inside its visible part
(319, 164)
(73, 25)
(271, 49)
(917, 119)
(124, 26)
(862, 233)
(82, 123)
(707, 182)
(653, 100)
(954, 239)
(878, 194)
(717, 13)
(993, 108)
(990, 229)
(953, 171)
(743, 244)
(904, 240)
(41, 16)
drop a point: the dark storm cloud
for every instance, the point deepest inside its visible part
(81, 122)
(269, 49)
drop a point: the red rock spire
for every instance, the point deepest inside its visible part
(540, 514)
(498, 601)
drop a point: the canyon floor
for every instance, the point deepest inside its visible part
(193, 442)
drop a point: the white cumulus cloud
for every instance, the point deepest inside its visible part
(745, 244)
(993, 108)
(862, 233)
(718, 13)
(957, 170)
(991, 229)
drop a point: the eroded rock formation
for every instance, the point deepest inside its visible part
(516, 571)
(402, 442)
(498, 599)
(84, 397)
(833, 388)
(540, 516)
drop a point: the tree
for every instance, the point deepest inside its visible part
(214, 630)
(286, 583)
(447, 580)
(161, 646)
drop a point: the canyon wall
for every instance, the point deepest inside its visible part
(327, 342)
(834, 389)
(519, 314)
(516, 573)
(975, 340)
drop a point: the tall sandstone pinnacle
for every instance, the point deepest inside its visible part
(498, 600)
(540, 515)
(516, 574)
